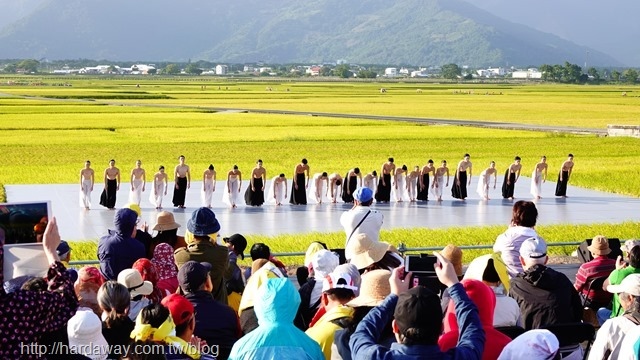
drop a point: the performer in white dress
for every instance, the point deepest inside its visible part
(412, 183)
(87, 178)
(138, 183)
(438, 180)
(399, 187)
(371, 181)
(232, 187)
(538, 177)
(319, 187)
(208, 186)
(160, 180)
(278, 190)
(485, 179)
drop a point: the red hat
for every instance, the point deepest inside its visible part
(180, 308)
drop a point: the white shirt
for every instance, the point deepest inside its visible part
(610, 337)
(630, 345)
(507, 310)
(509, 243)
(370, 226)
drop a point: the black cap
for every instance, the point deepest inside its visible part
(239, 243)
(418, 308)
(192, 275)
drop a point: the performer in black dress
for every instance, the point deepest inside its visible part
(563, 176)
(383, 191)
(353, 181)
(254, 195)
(183, 182)
(423, 181)
(511, 176)
(459, 187)
(300, 184)
(111, 186)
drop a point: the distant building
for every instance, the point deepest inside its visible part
(404, 71)
(313, 70)
(391, 72)
(222, 69)
(249, 69)
(532, 73)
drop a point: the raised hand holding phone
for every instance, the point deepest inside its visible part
(445, 271)
(399, 281)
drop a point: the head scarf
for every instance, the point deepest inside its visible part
(166, 333)
(164, 262)
(89, 274)
(149, 273)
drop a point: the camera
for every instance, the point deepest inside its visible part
(424, 273)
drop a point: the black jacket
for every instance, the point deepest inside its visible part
(545, 297)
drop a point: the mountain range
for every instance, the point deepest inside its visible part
(416, 32)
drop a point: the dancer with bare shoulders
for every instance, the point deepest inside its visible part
(563, 177)
(208, 186)
(160, 185)
(111, 186)
(399, 186)
(182, 175)
(438, 180)
(539, 177)
(412, 183)
(232, 187)
(87, 179)
(383, 193)
(335, 183)
(511, 176)
(371, 181)
(320, 186)
(254, 196)
(423, 180)
(300, 184)
(462, 178)
(353, 180)
(278, 190)
(485, 179)
(138, 183)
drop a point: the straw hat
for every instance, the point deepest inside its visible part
(165, 221)
(366, 251)
(453, 254)
(374, 288)
(599, 245)
(132, 279)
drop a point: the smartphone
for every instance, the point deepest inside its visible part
(420, 264)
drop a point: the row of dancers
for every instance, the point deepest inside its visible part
(394, 183)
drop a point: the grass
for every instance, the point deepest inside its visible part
(421, 237)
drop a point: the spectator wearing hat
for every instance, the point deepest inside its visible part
(236, 244)
(276, 337)
(119, 249)
(303, 272)
(523, 220)
(149, 273)
(545, 296)
(114, 300)
(183, 315)
(487, 269)
(361, 219)
(368, 254)
(85, 335)
(86, 288)
(204, 226)
(454, 255)
(323, 263)
(138, 288)
(417, 321)
(166, 267)
(600, 266)
(167, 231)
(29, 314)
(610, 336)
(533, 344)
(374, 288)
(338, 288)
(615, 278)
(216, 323)
(485, 300)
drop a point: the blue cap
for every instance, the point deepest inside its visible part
(63, 248)
(203, 222)
(363, 194)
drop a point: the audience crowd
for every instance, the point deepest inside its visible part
(159, 295)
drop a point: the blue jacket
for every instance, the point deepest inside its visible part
(364, 345)
(117, 252)
(276, 337)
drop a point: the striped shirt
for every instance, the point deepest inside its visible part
(600, 266)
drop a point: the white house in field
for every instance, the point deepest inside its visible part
(532, 73)
(222, 69)
(391, 72)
